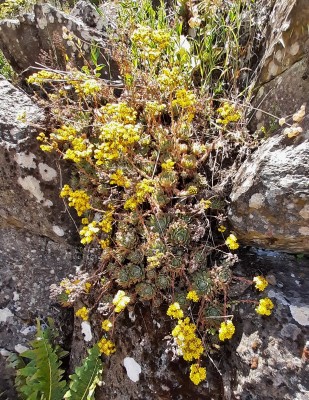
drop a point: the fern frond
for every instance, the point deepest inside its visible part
(86, 377)
(43, 376)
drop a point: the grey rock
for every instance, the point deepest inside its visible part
(34, 39)
(282, 82)
(38, 239)
(266, 356)
(270, 197)
(100, 18)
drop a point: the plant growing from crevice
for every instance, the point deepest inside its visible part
(152, 167)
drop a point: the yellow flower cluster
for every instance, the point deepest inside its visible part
(265, 306)
(150, 42)
(169, 79)
(42, 76)
(227, 330)
(184, 98)
(192, 190)
(153, 108)
(222, 228)
(118, 178)
(197, 374)
(87, 287)
(82, 313)
(168, 165)
(189, 344)
(120, 301)
(228, 114)
(142, 190)
(154, 261)
(106, 347)
(77, 199)
(106, 223)
(88, 232)
(106, 325)
(175, 311)
(231, 242)
(192, 295)
(260, 282)
(118, 112)
(205, 204)
(116, 139)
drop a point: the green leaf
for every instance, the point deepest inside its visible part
(86, 377)
(42, 377)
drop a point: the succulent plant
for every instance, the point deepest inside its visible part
(179, 234)
(210, 313)
(130, 274)
(168, 179)
(146, 291)
(113, 270)
(136, 257)
(223, 274)
(163, 281)
(161, 198)
(175, 263)
(159, 223)
(202, 283)
(136, 272)
(151, 274)
(127, 238)
(217, 203)
(181, 298)
(124, 278)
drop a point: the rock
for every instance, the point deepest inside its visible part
(37, 38)
(38, 240)
(270, 196)
(283, 75)
(101, 18)
(266, 357)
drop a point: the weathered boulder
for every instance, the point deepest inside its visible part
(266, 359)
(282, 77)
(38, 240)
(270, 197)
(39, 38)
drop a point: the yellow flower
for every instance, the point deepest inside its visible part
(227, 330)
(197, 374)
(190, 346)
(231, 242)
(175, 311)
(120, 301)
(260, 282)
(168, 165)
(82, 313)
(265, 306)
(106, 347)
(106, 325)
(222, 228)
(119, 179)
(205, 204)
(87, 287)
(192, 295)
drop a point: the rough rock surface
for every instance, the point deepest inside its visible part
(283, 73)
(270, 197)
(38, 38)
(266, 356)
(37, 237)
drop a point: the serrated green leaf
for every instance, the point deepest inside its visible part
(86, 377)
